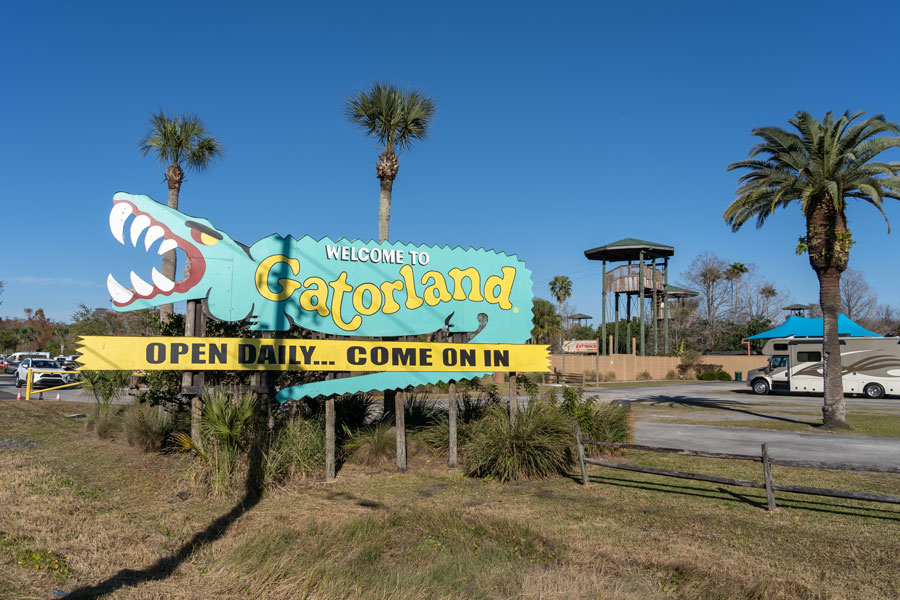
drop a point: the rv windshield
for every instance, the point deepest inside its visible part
(778, 362)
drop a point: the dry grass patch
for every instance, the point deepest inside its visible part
(127, 524)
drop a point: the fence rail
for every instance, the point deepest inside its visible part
(767, 462)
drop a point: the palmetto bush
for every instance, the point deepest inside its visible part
(226, 427)
(536, 446)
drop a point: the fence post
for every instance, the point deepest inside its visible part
(451, 402)
(400, 427)
(767, 474)
(580, 447)
(513, 398)
(329, 439)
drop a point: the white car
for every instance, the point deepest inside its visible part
(57, 376)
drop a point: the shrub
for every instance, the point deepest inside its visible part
(700, 369)
(690, 357)
(535, 447)
(420, 411)
(599, 422)
(671, 374)
(714, 376)
(350, 412)
(644, 376)
(437, 436)
(376, 445)
(104, 387)
(297, 449)
(101, 423)
(147, 427)
(226, 427)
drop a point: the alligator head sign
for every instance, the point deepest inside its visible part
(342, 287)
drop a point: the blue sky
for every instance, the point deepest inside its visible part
(560, 127)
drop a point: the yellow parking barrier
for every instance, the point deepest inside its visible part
(29, 383)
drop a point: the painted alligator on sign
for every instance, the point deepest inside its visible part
(343, 287)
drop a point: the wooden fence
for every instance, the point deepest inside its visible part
(764, 458)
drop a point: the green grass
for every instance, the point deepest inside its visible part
(107, 509)
(859, 425)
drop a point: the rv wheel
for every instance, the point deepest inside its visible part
(761, 387)
(873, 390)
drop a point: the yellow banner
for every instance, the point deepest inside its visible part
(101, 353)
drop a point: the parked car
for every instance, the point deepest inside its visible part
(57, 376)
(69, 362)
(10, 365)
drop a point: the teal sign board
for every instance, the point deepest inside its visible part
(342, 287)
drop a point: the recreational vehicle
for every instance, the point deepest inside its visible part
(871, 366)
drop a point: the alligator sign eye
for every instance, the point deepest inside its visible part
(203, 234)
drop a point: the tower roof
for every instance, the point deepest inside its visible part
(629, 249)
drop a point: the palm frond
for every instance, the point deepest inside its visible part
(395, 118)
(177, 139)
(833, 159)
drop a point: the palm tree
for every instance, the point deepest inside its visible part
(820, 166)
(545, 321)
(178, 140)
(561, 288)
(733, 273)
(767, 292)
(395, 119)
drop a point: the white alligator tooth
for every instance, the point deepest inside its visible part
(161, 281)
(153, 234)
(117, 217)
(166, 246)
(117, 291)
(141, 222)
(140, 286)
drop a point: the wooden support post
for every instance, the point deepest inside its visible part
(655, 313)
(451, 402)
(400, 427)
(582, 375)
(513, 398)
(666, 301)
(767, 474)
(563, 367)
(194, 326)
(579, 445)
(597, 377)
(603, 310)
(641, 288)
(329, 439)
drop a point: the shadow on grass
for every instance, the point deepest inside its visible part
(165, 567)
(725, 405)
(720, 493)
(359, 501)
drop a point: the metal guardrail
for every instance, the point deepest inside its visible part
(767, 462)
(29, 381)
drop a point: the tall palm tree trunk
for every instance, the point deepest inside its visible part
(174, 178)
(384, 210)
(829, 252)
(386, 169)
(833, 411)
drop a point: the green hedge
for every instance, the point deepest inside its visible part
(714, 376)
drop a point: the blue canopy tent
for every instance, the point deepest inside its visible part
(801, 327)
